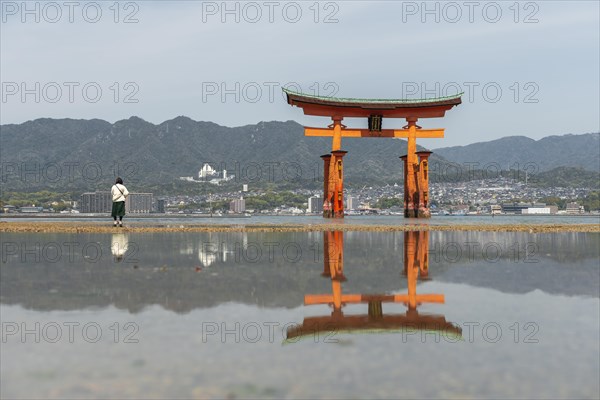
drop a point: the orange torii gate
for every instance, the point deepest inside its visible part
(416, 180)
(416, 266)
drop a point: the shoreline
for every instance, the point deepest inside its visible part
(258, 216)
(88, 227)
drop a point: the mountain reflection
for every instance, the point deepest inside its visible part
(182, 272)
(416, 267)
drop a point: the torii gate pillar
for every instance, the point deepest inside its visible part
(423, 182)
(416, 176)
(336, 183)
(333, 175)
(326, 200)
(411, 189)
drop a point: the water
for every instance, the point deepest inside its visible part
(315, 219)
(300, 315)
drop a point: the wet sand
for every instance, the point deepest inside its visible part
(90, 227)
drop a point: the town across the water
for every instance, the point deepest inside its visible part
(491, 197)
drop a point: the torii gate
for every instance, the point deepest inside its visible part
(416, 266)
(416, 180)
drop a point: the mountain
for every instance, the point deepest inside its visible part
(581, 151)
(87, 154)
(67, 155)
(566, 177)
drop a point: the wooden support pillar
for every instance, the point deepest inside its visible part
(326, 254)
(327, 193)
(375, 310)
(336, 143)
(335, 258)
(411, 210)
(336, 173)
(423, 249)
(333, 185)
(335, 248)
(410, 258)
(423, 184)
(336, 291)
(404, 168)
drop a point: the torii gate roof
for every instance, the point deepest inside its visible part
(352, 107)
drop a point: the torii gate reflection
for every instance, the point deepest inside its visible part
(416, 266)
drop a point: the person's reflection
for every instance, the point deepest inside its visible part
(416, 266)
(119, 246)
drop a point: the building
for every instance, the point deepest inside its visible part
(514, 208)
(459, 209)
(350, 203)
(238, 205)
(206, 171)
(160, 206)
(208, 174)
(517, 208)
(315, 205)
(101, 202)
(31, 210)
(9, 209)
(574, 208)
(540, 210)
(95, 202)
(496, 209)
(139, 203)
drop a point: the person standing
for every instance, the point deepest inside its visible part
(119, 193)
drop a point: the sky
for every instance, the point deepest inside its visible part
(527, 68)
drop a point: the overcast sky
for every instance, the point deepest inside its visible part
(530, 68)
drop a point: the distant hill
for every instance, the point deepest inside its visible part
(66, 155)
(581, 151)
(566, 177)
(151, 154)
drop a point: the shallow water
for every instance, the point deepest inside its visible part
(316, 219)
(300, 315)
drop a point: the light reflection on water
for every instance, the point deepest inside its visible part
(317, 314)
